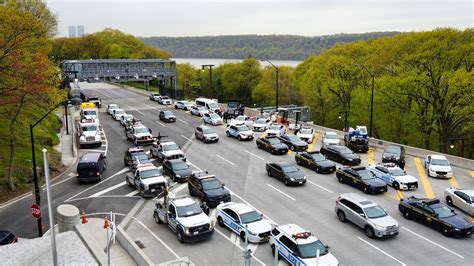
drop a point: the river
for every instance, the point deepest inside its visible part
(198, 62)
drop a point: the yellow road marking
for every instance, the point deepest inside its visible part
(453, 182)
(472, 173)
(290, 152)
(424, 180)
(370, 157)
(315, 139)
(400, 194)
(471, 218)
(395, 198)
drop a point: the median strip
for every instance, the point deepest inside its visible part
(424, 180)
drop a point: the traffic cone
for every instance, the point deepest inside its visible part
(106, 222)
(84, 219)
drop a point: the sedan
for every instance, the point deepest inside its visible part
(154, 96)
(461, 198)
(167, 116)
(361, 178)
(294, 142)
(199, 110)
(212, 119)
(206, 134)
(261, 124)
(117, 114)
(111, 108)
(306, 134)
(331, 138)
(394, 154)
(314, 160)
(184, 105)
(286, 172)
(438, 166)
(177, 169)
(125, 118)
(272, 145)
(276, 130)
(340, 154)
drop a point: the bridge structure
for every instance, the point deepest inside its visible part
(119, 70)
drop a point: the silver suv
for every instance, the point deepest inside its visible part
(366, 214)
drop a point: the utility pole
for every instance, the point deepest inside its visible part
(50, 208)
(277, 85)
(210, 79)
(247, 252)
(372, 75)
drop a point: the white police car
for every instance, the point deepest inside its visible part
(299, 247)
(394, 176)
(238, 216)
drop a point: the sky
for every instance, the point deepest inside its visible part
(147, 18)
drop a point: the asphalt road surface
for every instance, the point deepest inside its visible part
(241, 166)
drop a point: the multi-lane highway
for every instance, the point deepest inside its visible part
(241, 166)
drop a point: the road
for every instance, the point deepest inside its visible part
(241, 166)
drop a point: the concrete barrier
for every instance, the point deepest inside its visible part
(132, 248)
(93, 247)
(68, 217)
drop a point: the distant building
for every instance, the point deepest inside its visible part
(80, 31)
(72, 32)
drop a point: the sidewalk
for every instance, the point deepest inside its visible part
(66, 145)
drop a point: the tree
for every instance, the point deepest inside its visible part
(240, 79)
(39, 10)
(188, 80)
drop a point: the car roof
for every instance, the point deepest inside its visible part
(203, 175)
(283, 163)
(167, 143)
(90, 157)
(356, 198)
(240, 208)
(146, 166)
(468, 191)
(437, 156)
(175, 161)
(293, 229)
(331, 133)
(135, 149)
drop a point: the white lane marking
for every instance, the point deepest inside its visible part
(157, 238)
(106, 95)
(283, 193)
(183, 121)
(385, 253)
(179, 188)
(199, 169)
(126, 169)
(15, 201)
(104, 196)
(321, 187)
(255, 155)
(225, 159)
(161, 124)
(450, 251)
(253, 247)
(102, 192)
(186, 138)
(226, 237)
(133, 193)
(138, 111)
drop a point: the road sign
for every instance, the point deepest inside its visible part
(35, 211)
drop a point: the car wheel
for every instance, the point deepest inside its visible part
(220, 222)
(407, 215)
(344, 162)
(449, 201)
(369, 231)
(269, 173)
(179, 234)
(298, 162)
(396, 185)
(287, 182)
(341, 180)
(157, 218)
(366, 190)
(446, 231)
(227, 133)
(341, 216)
(239, 138)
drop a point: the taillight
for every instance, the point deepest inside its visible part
(98, 173)
(77, 174)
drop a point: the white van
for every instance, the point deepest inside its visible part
(210, 104)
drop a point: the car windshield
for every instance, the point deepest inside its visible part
(290, 169)
(261, 121)
(309, 250)
(396, 171)
(113, 106)
(318, 157)
(275, 127)
(180, 166)
(441, 162)
(250, 217)
(189, 210)
(443, 211)
(240, 118)
(93, 99)
(242, 128)
(366, 174)
(331, 136)
(141, 156)
(150, 173)
(140, 130)
(293, 138)
(215, 116)
(375, 212)
(274, 141)
(165, 97)
(170, 147)
(90, 112)
(306, 131)
(119, 112)
(89, 128)
(213, 105)
(207, 131)
(393, 150)
(168, 113)
(210, 184)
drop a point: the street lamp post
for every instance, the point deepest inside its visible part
(33, 159)
(277, 89)
(210, 78)
(462, 144)
(372, 75)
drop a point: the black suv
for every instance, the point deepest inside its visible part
(135, 156)
(90, 167)
(272, 144)
(394, 154)
(7, 237)
(208, 188)
(177, 169)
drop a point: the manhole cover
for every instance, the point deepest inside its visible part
(140, 244)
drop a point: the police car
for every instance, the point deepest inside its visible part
(240, 218)
(394, 176)
(299, 247)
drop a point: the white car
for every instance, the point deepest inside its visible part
(240, 218)
(154, 96)
(261, 124)
(212, 119)
(117, 114)
(241, 120)
(111, 108)
(394, 176)
(438, 166)
(199, 110)
(306, 134)
(125, 118)
(461, 198)
(165, 100)
(331, 138)
(276, 130)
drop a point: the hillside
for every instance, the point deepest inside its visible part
(282, 47)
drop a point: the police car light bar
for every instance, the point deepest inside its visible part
(302, 235)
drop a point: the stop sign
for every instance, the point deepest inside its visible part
(35, 211)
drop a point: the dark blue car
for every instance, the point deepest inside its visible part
(208, 188)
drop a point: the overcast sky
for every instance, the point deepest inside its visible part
(230, 17)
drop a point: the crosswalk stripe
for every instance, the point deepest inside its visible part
(424, 180)
(102, 192)
(133, 193)
(453, 182)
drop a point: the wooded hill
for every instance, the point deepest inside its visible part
(283, 47)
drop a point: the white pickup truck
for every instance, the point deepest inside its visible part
(139, 135)
(147, 179)
(184, 217)
(166, 150)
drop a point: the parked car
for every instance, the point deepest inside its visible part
(208, 188)
(331, 138)
(125, 118)
(438, 166)
(394, 154)
(394, 176)
(165, 100)
(154, 96)
(135, 156)
(241, 120)
(276, 130)
(206, 134)
(117, 114)
(361, 178)
(340, 154)
(461, 198)
(199, 110)
(286, 172)
(167, 116)
(272, 144)
(111, 107)
(184, 105)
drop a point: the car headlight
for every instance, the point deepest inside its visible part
(186, 231)
(292, 179)
(178, 175)
(379, 227)
(82, 138)
(397, 158)
(251, 233)
(457, 229)
(211, 226)
(304, 177)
